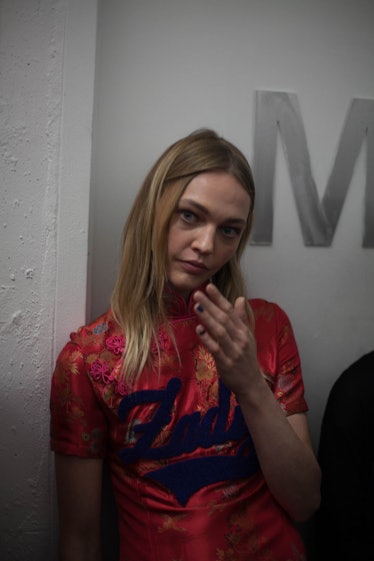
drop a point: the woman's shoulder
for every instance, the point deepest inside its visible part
(98, 338)
(271, 322)
(266, 309)
(97, 332)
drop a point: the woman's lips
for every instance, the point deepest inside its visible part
(193, 266)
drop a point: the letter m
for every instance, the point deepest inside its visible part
(318, 219)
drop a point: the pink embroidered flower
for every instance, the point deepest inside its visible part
(116, 344)
(163, 341)
(121, 388)
(100, 371)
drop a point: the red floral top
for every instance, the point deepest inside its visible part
(186, 478)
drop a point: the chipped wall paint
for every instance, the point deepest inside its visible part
(44, 45)
(31, 58)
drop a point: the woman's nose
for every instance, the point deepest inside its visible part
(204, 240)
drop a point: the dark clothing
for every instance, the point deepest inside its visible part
(345, 521)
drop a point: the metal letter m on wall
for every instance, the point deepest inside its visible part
(318, 219)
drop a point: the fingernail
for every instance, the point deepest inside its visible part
(199, 308)
(201, 331)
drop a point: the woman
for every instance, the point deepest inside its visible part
(190, 392)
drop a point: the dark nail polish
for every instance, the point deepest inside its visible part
(200, 308)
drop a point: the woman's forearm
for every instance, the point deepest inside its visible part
(284, 452)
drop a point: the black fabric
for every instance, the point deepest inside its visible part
(345, 521)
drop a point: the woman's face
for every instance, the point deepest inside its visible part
(205, 229)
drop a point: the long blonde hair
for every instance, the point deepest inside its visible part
(137, 299)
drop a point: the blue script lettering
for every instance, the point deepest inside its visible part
(190, 432)
(185, 477)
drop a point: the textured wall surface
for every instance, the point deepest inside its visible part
(31, 96)
(36, 70)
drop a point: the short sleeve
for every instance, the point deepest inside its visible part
(77, 423)
(289, 385)
(279, 356)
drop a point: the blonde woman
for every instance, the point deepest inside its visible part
(192, 393)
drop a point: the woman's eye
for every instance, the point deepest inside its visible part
(187, 215)
(230, 231)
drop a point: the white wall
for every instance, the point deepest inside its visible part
(47, 56)
(166, 67)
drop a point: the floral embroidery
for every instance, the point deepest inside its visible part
(121, 388)
(72, 363)
(76, 412)
(171, 523)
(116, 343)
(205, 365)
(100, 371)
(101, 328)
(231, 491)
(94, 438)
(164, 342)
(164, 359)
(130, 437)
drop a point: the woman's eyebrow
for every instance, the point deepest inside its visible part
(204, 210)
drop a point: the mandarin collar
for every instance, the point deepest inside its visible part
(176, 305)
